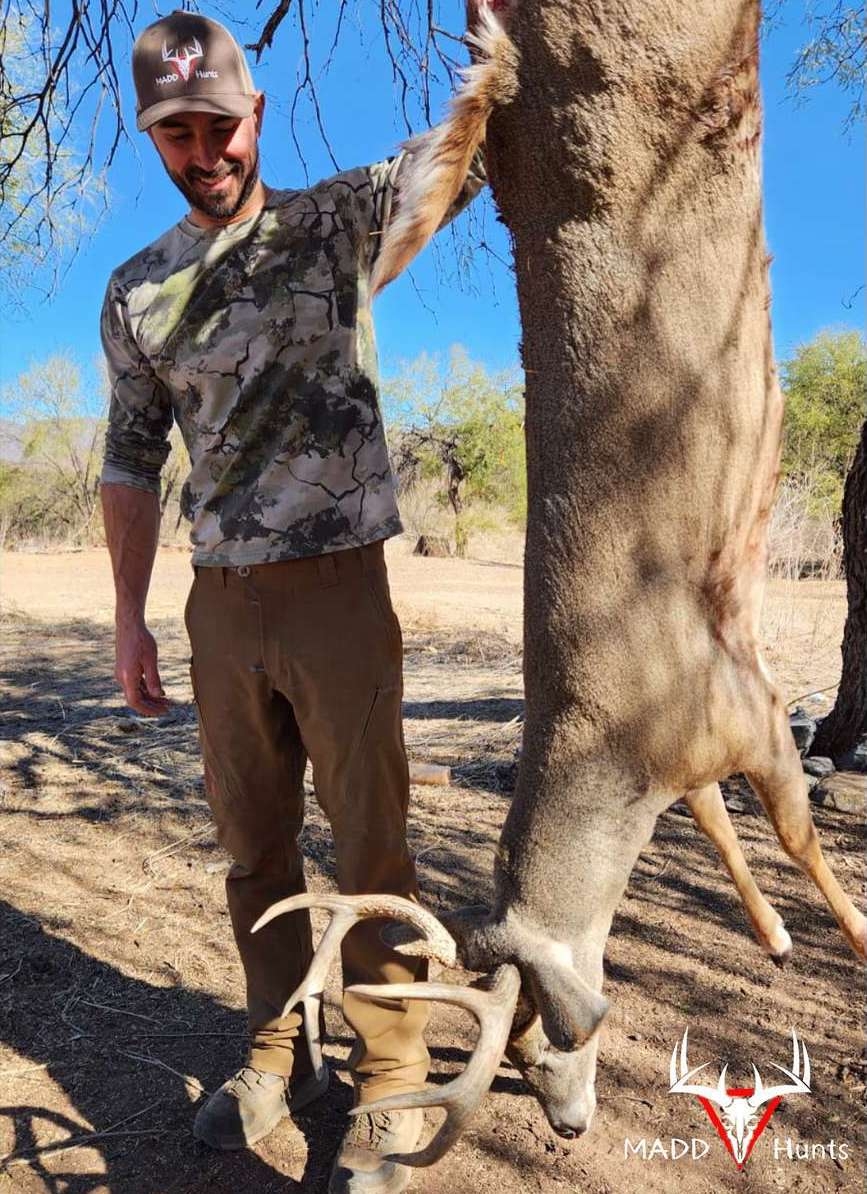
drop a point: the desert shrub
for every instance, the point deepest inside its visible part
(51, 452)
(804, 539)
(457, 440)
(825, 383)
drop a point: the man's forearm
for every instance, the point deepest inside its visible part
(132, 522)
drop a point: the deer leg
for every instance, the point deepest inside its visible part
(710, 813)
(780, 785)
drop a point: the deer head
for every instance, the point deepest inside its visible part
(556, 1005)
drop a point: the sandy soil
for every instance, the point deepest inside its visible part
(120, 995)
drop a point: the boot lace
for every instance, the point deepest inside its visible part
(246, 1079)
(371, 1129)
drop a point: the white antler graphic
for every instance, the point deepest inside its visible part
(183, 62)
(739, 1114)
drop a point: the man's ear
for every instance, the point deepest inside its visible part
(259, 110)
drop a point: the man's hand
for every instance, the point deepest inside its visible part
(136, 669)
(132, 522)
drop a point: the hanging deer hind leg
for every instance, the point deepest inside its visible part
(708, 808)
(778, 780)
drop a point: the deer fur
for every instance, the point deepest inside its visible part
(653, 437)
(433, 174)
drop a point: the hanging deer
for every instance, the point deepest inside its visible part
(653, 431)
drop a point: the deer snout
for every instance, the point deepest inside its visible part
(572, 1119)
(562, 1082)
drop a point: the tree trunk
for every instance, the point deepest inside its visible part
(841, 730)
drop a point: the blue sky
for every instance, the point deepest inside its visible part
(814, 186)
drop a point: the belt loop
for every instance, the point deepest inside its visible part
(327, 568)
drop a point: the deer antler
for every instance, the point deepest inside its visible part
(493, 1005)
(680, 1075)
(799, 1074)
(347, 911)
(494, 1010)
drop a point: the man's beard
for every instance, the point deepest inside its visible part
(217, 206)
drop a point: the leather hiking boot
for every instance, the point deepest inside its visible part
(360, 1166)
(250, 1105)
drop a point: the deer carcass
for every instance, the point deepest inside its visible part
(624, 159)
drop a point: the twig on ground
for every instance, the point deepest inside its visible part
(439, 844)
(178, 845)
(193, 1083)
(180, 1036)
(71, 1002)
(813, 692)
(12, 973)
(83, 1141)
(137, 891)
(119, 1011)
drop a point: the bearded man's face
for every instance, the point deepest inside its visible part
(213, 160)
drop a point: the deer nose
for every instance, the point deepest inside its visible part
(572, 1130)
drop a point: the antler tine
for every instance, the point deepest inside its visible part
(347, 911)
(437, 942)
(494, 1010)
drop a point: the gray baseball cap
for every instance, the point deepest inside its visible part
(189, 63)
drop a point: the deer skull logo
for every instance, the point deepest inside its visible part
(740, 1115)
(181, 63)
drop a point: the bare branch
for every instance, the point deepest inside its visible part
(270, 28)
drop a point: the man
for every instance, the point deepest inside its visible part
(249, 323)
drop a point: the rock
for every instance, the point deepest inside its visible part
(735, 805)
(855, 759)
(431, 545)
(844, 791)
(819, 766)
(813, 782)
(803, 729)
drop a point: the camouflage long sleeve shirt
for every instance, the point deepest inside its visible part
(257, 339)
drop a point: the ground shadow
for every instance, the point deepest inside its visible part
(106, 1040)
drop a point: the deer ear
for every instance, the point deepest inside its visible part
(571, 1010)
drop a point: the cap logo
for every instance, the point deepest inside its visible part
(182, 63)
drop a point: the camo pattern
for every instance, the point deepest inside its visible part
(258, 340)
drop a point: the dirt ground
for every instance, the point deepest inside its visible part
(121, 1001)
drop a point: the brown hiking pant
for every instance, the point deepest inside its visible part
(298, 659)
